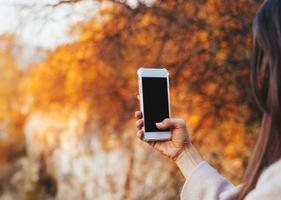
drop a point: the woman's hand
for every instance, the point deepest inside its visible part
(179, 140)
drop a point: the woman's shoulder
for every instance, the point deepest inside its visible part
(271, 173)
(269, 184)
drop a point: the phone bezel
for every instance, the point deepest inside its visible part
(155, 73)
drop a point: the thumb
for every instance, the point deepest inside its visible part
(170, 123)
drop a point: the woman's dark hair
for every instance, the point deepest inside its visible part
(266, 83)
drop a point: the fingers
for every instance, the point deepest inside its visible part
(140, 134)
(139, 123)
(171, 123)
(138, 114)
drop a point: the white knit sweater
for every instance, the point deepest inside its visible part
(205, 183)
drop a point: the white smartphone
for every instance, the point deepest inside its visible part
(154, 101)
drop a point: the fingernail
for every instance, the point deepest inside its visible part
(159, 124)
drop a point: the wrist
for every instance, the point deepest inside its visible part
(188, 159)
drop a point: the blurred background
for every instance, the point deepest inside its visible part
(68, 93)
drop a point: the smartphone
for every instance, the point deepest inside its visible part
(154, 101)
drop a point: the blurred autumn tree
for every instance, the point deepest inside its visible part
(204, 44)
(11, 119)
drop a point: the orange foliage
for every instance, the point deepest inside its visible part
(204, 44)
(11, 119)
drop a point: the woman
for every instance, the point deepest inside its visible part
(262, 180)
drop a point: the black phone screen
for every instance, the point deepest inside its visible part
(155, 102)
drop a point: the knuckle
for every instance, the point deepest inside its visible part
(181, 122)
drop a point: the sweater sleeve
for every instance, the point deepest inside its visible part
(205, 183)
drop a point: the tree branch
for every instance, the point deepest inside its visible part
(61, 2)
